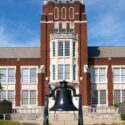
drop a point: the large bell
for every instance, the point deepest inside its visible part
(63, 99)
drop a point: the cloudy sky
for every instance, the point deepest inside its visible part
(20, 22)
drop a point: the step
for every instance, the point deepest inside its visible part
(63, 116)
(73, 122)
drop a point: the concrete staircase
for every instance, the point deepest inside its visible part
(63, 118)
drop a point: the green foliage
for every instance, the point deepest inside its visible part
(116, 105)
(7, 122)
(123, 117)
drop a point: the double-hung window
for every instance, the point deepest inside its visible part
(119, 96)
(119, 74)
(63, 72)
(8, 75)
(28, 97)
(53, 49)
(7, 95)
(98, 75)
(29, 75)
(98, 97)
(67, 48)
(63, 48)
(60, 48)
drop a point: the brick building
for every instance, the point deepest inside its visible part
(98, 73)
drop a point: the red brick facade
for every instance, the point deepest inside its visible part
(47, 27)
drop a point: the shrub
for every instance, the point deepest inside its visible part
(123, 117)
(6, 122)
(116, 105)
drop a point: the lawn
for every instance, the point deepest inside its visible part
(8, 122)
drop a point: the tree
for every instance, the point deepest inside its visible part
(1, 88)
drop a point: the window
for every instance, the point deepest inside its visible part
(74, 49)
(56, 27)
(60, 48)
(64, 48)
(11, 75)
(99, 97)
(119, 96)
(33, 75)
(11, 96)
(95, 97)
(63, 72)
(63, 13)
(118, 75)
(53, 71)
(29, 75)
(25, 97)
(4, 75)
(102, 97)
(3, 95)
(71, 27)
(56, 13)
(74, 72)
(67, 49)
(60, 72)
(123, 95)
(98, 75)
(64, 27)
(8, 75)
(53, 45)
(67, 72)
(32, 97)
(28, 97)
(7, 95)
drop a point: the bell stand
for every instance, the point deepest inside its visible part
(51, 94)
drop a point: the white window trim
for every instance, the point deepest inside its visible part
(117, 66)
(8, 67)
(62, 59)
(120, 95)
(7, 95)
(100, 66)
(29, 105)
(100, 105)
(28, 73)
(57, 13)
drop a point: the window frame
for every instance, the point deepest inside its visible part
(28, 98)
(97, 76)
(29, 75)
(6, 75)
(119, 75)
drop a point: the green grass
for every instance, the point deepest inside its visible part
(8, 122)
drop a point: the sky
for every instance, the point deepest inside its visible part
(20, 22)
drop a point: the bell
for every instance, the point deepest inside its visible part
(63, 99)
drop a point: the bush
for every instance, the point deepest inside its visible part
(123, 117)
(6, 122)
(116, 105)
